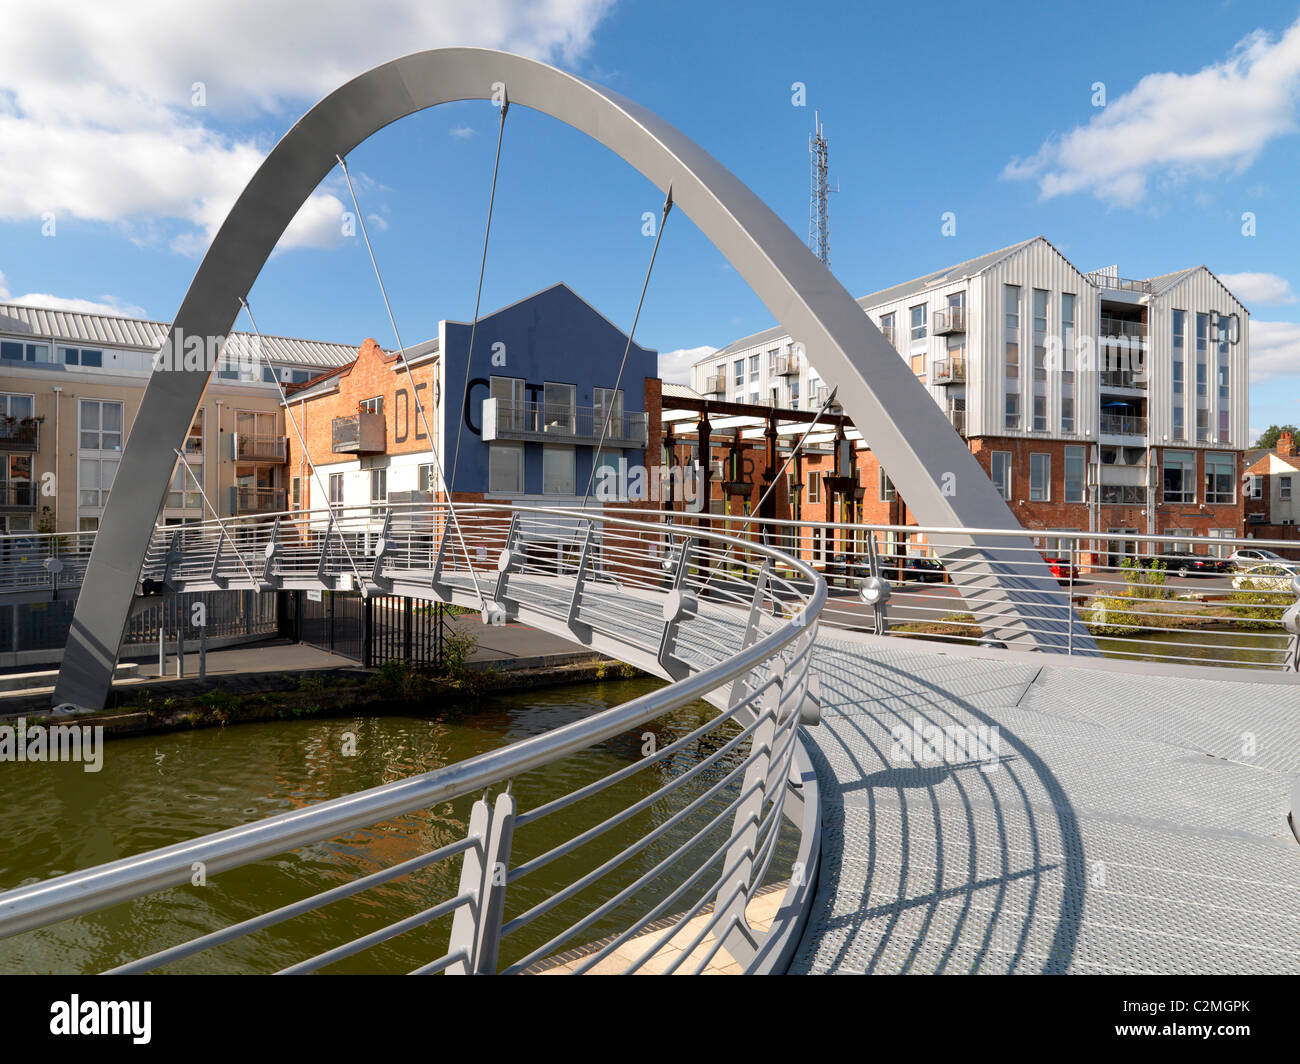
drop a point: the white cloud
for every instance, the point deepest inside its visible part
(1266, 288)
(1274, 349)
(4, 290)
(461, 132)
(675, 366)
(1172, 126)
(97, 101)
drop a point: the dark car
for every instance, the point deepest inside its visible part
(1187, 564)
(913, 567)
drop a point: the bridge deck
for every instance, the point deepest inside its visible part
(1124, 828)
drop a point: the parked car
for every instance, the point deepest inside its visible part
(1249, 557)
(911, 567)
(847, 567)
(1061, 568)
(1185, 563)
(1266, 576)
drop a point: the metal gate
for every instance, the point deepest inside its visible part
(372, 630)
(334, 622)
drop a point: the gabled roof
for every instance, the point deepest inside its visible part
(1160, 285)
(110, 330)
(948, 275)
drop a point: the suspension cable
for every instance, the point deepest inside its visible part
(609, 411)
(415, 393)
(482, 269)
(221, 524)
(302, 442)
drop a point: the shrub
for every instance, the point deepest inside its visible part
(1109, 615)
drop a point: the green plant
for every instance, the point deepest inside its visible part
(626, 671)
(600, 670)
(457, 646)
(1109, 615)
(1145, 581)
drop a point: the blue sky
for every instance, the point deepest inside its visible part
(983, 110)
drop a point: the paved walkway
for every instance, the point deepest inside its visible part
(1129, 822)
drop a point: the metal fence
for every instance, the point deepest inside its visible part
(729, 621)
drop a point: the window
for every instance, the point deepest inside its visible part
(379, 485)
(1013, 361)
(1013, 411)
(1255, 486)
(1178, 376)
(16, 487)
(609, 403)
(1202, 426)
(610, 483)
(1040, 477)
(373, 405)
(1011, 306)
(558, 464)
(739, 373)
(1067, 413)
(94, 479)
(182, 493)
(887, 327)
(1040, 412)
(888, 493)
(753, 368)
(336, 488)
(771, 361)
(509, 394)
(1074, 474)
(1201, 389)
(194, 438)
(80, 356)
(24, 352)
(296, 492)
(1223, 427)
(814, 486)
(1284, 488)
(1220, 478)
(1180, 432)
(1067, 320)
(17, 406)
(559, 408)
(506, 468)
(794, 393)
(1000, 466)
(101, 425)
(427, 478)
(1180, 476)
(918, 365)
(919, 320)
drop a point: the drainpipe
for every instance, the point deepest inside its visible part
(58, 392)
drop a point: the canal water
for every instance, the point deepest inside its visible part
(157, 790)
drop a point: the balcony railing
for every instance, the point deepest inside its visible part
(888, 330)
(19, 495)
(958, 419)
(259, 500)
(787, 365)
(715, 385)
(1122, 379)
(1123, 425)
(506, 419)
(1119, 329)
(359, 433)
(949, 320)
(20, 434)
(949, 370)
(1123, 494)
(259, 448)
(1122, 284)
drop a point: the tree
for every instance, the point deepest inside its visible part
(1269, 437)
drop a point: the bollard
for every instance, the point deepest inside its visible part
(162, 653)
(180, 653)
(203, 653)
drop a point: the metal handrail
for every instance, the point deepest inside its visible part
(763, 680)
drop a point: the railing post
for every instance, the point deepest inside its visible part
(271, 554)
(579, 577)
(740, 683)
(678, 605)
(381, 548)
(476, 928)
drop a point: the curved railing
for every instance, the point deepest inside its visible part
(663, 882)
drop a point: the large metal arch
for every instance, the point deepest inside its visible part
(875, 386)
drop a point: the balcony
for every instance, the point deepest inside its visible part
(1123, 425)
(1120, 378)
(958, 419)
(258, 500)
(788, 365)
(361, 433)
(888, 331)
(506, 419)
(20, 434)
(715, 385)
(1119, 284)
(948, 320)
(19, 495)
(1123, 495)
(256, 448)
(950, 371)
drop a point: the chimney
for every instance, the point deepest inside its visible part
(1285, 445)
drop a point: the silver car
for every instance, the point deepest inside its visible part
(1249, 557)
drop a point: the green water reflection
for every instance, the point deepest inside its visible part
(163, 789)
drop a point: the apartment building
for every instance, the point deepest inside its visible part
(1095, 402)
(1272, 491)
(540, 388)
(70, 386)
